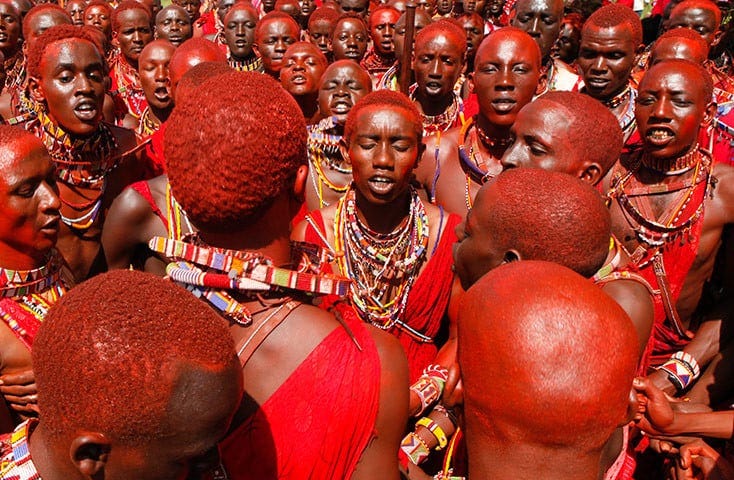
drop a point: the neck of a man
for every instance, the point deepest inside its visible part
(268, 235)
(435, 105)
(493, 131)
(309, 104)
(531, 462)
(130, 61)
(383, 218)
(160, 114)
(246, 59)
(50, 462)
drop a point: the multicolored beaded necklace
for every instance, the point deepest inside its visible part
(254, 64)
(14, 68)
(444, 120)
(476, 168)
(148, 124)
(28, 294)
(676, 221)
(323, 149)
(83, 163)
(128, 86)
(210, 272)
(382, 266)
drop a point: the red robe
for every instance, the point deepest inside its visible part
(428, 300)
(319, 421)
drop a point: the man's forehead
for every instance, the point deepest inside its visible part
(543, 6)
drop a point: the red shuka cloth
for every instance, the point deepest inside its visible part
(319, 421)
(428, 300)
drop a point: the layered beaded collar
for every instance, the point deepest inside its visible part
(18, 283)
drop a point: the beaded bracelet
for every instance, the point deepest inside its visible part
(436, 430)
(682, 370)
(429, 386)
(415, 448)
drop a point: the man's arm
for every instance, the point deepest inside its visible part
(635, 300)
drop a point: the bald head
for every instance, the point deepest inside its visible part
(679, 44)
(561, 352)
(191, 53)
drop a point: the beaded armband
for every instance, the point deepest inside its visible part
(436, 430)
(414, 448)
(429, 386)
(682, 370)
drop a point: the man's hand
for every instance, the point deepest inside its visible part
(698, 461)
(655, 414)
(19, 391)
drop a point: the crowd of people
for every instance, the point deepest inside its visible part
(337, 239)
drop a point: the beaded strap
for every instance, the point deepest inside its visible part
(17, 283)
(436, 430)
(415, 448)
(682, 370)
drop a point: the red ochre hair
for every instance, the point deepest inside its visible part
(323, 13)
(55, 34)
(549, 216)
(384, 99)
(38, 9)
(445, 27)
(560, 350)
(600, 140)
(704, 4)
(122, 332)
(688, 35)
(100, 3)
(125, 6)
(613, 15)
(232, 146)
(199, 74)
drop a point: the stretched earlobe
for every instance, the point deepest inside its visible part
(90, 452)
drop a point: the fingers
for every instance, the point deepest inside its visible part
(20, 378)
(18, 390)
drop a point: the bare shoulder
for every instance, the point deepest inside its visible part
(124, 136)
(724, 191)
(298, 233)
(392, 355)
(6, 109)
(440, 149)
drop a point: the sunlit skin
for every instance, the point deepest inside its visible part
(437, 66)
(239, 31)
(192, 7)
(223, 7)
(569, 39)
(606, 58)
(135, 33)
(541, 19)
(700, 20)
(343, 84)
(354, 6)
(10, 29)
(474, 28)
(272, 39)
(153, 5)
(421, 20)
(382, 30)
(40, 22)
(676, 49)
(173, 24)
(349, 40)
(98, 17)
(76, 10)
(155, 77)
(303, 65)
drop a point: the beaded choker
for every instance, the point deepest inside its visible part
(14, 68)
(443, 121)
(323, 149)
(382, 266)
(680, 165)
(210, 272)
(128, 86)
(617, 100)
(148, 123)
(17, 283)
(254, 64)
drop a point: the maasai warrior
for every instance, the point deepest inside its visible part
(98, 14)
(381, 56)
(147, 209)
(542, 20)
(391, 78)
(289, 7)
(396, 248)
(305, 11)
(214, 27)
(132, 31)
(321, 27)
(193, 8)
(75, 9)
(32, 272)
(173, 24)
(438, 60)
(429, 6)
(273, 34)
(474, 28)
(495, 15)
(10, 46)
(157, 385)
(343, 84)
(569, 38)
(610, 40)
(239, 34)
(357, 7)
(350, 38)
(457, 162)
(154, 6)
(678, 44)
(156, 82)
(16, 104)
(444, 9)
(525, 214)
(92, 164)
(303, 66)
(669, 217)
(570, 410)
(260, 168)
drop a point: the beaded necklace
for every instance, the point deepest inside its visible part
(210, 272)
(444, 120)
(83, 163)
(477, 168)
(389, 80)
(176, 217)
(128, 86)
(382, 266)
(254, 64)
(14, 68)
(148, 123)
(617, 100)
(26, 295)
(676, 221)
(323, 148)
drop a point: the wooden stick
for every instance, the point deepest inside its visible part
(407, 56)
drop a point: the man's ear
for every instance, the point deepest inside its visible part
(90, 452)
(34, 86)
(640, 48)
(470, 81)
(344, 150)
(632, 407)
(708, 114)
(255, 49)
(299, 187)
(717, 38)
(511, 255)
(591, 173)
